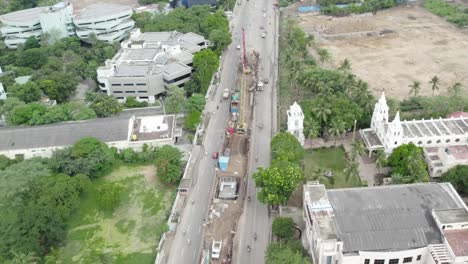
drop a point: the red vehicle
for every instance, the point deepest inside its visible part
(215, 155)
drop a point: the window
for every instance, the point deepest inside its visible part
(419, 142)
(116, 84)
(120, 98)
(141, 84)
(393, 261)
(447, 141)
(396, 142)
(429, 142)
(128, 84)
(143, 97)
(118, 92)
(457, 140)
(407, 260)
(419, 257)
(438, 141)
(142, 91)
(130, 92)
(379, 261)
(329, 259)
(366, 261)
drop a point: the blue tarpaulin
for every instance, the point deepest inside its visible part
(223, 163)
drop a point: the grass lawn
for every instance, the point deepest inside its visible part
(333, 159)
(131, 232)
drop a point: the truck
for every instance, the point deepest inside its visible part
(235, 98)
(226, 94)
(216, 249)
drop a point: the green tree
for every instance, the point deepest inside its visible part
(26, 114)
(278, 182)
(28, 92)
(286, 145)
(22, 258)
(59, 86)
(31, 43)
(103, 105)
(205, 64)
(175, 100)
(196, 102)
(457, 177)
(324, 55)
(381, 160)
(415, 87)
(192, 120)
(337, 128)
(435, 82)
(357, 149)
(131, 102)
(5, 162)
(408, 160)
(280, 253)
(88, 156)
(322, 113)
(311, 128)
(169, 163)
(345, 66)
(283, 228)
(33, 58)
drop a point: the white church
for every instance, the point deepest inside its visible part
(296, 122)
(445, 140)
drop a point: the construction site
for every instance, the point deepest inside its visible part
(228, 190)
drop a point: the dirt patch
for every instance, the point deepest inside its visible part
(394, 48)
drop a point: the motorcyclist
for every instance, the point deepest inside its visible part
(248, 198)
(248, 248)
(255, 236)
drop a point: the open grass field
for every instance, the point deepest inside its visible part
(332, 159)
(129, 234)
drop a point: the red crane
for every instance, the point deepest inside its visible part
(244, 55)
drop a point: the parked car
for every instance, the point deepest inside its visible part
(215, 155)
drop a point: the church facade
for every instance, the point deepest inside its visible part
(296, 122)
(450, 134)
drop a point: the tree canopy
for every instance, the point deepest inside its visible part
(458, 178)
(169, 163)
(175, 100)
(408, 164)
(286, 145)
(87, 156)
(283, 227)
(205, 64)
(103, 105)
(278, 182)
(285, 253)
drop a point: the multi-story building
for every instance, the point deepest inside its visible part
(423, 223)
(119, 132)
(108, 22)
(148, 63)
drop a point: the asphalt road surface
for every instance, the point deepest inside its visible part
(187, 246)
(255, 219)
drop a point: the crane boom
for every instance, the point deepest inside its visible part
(244, 52)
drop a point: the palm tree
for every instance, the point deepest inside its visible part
(22, 258)
(322, 113)
(435, 82)
(319, 174)
(351, 170)
(357, 149)
(345, 66)
(415, 88)
(324, 55)
(455, 89)
(311, 128)
(337, 128)
(381, 160)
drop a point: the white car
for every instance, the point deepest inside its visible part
(264, 10)
(216, 249)
(263, 35)
(238, 47)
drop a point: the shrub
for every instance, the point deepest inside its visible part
(283, 228)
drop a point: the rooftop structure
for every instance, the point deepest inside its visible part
(108, 22)
(227, 187)
(148, 63)
(122, 132)
(391, 222)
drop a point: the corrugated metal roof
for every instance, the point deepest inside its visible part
(393, 217)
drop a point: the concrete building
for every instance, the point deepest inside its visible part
(109, 22)
(3, 95)
(122, 132)
(148, 63)
(296, 122)
(423, 223)
(444, 139)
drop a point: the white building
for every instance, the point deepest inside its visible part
(109, 22)
(415, 223)
(148, 63)
(433, 133)
(122, 132)
(296, 122)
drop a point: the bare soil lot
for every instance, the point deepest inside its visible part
(394, 48)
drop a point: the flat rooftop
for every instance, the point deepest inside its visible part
(153, 127)
(139, 54)
(175, 67)
(458, 241)
(451, 216)
(99, 10)
(458, 152)
(132, 70)
(395, 217)
(227, 187)
(26, 15)
(63, 134)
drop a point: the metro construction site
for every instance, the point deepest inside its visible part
(229, 188)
